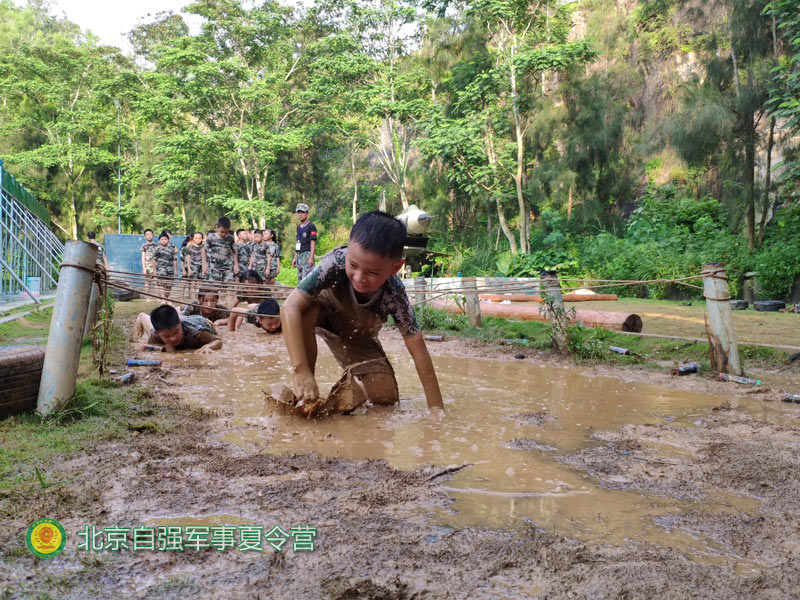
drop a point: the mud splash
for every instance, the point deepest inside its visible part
(510, 421)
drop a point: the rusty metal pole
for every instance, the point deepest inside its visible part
(719, 321)
(63, 351)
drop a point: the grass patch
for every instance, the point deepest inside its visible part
(101, 410)
(35, 325)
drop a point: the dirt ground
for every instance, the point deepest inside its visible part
(377, 537)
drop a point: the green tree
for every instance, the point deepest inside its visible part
(784, 91)
(226, 97)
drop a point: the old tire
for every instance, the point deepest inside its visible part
(769, 305)
(739, 304)
(20, 375)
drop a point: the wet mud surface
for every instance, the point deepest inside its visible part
(576, 483)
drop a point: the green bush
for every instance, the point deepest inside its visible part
(778, 261)
(667, 237)
(531, 265)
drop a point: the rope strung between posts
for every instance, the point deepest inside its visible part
(119, 286)
(432, 292)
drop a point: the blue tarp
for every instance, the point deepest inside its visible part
(125, 251)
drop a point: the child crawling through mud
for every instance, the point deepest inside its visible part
(345, 300)
(164, 326)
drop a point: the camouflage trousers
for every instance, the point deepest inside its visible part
(223, 274)
(302, 265)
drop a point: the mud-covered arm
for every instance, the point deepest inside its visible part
(209, 341)
(236, 315)
(424, 365)
(296, 306)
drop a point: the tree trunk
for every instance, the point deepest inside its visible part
(73, 208)
(767, 183)
(355, 181)
(183, 215)
(519, 176)
(403, 198)
(450, 218)
(501, 216)
(750, 183)
(569, 203)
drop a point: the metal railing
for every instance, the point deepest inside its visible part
(30, 252)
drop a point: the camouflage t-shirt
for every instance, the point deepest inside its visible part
(243, 251)
(220, 312)
(149, 248)
(259, 255)
(390, 299)
(193, 326)
(193, 257)
(274, 252)
(219, 251)
(164, 257)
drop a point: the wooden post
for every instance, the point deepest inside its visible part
(554, 305)
(419, 291)
(470, 288)
(719, 322)
(63, 352)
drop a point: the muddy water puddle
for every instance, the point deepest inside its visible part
(509, 420)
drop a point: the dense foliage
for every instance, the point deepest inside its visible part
(604, 138)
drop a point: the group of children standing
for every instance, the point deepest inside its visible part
(217, 257)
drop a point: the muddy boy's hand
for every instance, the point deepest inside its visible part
(204, 350)
(305, 388)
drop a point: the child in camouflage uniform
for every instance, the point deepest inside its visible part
(220, 260)
(273, 255)
(165, 326)
(166, 264)
(259, 262)
(208, 305)
(345, 300)
(244, 249)
(265, 316)
(193, 256)
(148, 265)
(192, 260)
(251, 291)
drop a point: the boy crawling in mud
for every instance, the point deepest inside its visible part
(345, 300)
(208, 305)
(164, 326)
(266, 316)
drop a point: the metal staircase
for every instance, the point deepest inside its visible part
(30, 252)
